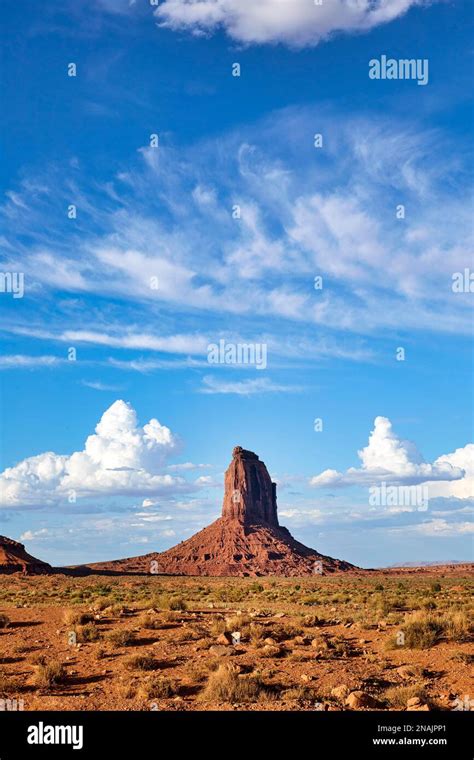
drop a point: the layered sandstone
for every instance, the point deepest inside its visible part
(14, 558)
(246, 540)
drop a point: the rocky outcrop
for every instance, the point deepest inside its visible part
(246, 540)
(14, 558)
(249, 494)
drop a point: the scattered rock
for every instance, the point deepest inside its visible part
(301, 640)
(224, 639)
(271, 651)
(407, 672)
(415, 703)
(340, 692)
(221, 651)
(360, 699)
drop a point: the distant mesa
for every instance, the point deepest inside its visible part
(247, 540)
(14, 558)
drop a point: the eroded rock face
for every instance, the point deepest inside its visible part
(249, 494)
(14, 558)
(246, 541)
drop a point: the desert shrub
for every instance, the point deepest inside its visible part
(398, 696)
(171, 616)
(435, 588)
(121, 637)
(85, 633)
(310, 621)
(226, 685)
(159, 688)
(237, 622)
(149, 621)
(50, 674)
(4, 620)
(422, 632)
(218, 626)
(310, 600)
(102, 604)
(256, 633)
(142, 662)
(465, 657)
(76, 617)
(300, 694)
(457, 626)
(173, 603)
(185, 634)
(8, 685)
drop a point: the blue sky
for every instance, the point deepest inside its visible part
(158, 265)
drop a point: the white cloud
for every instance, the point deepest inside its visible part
(294, 22)
(389, 459)
(189, 466)
(121, 458)
(377, 271)
(462, 458)
(13, 361)
(33, 535)
(245, 387)
(441, 528)
(205, 480)
(97, 385)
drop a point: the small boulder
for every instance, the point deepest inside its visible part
(406, 672)
(360, 699)
(220, 650)
(340, 692)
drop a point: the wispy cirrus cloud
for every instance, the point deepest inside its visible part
(23, 361)
(301, 213)
(214, 385)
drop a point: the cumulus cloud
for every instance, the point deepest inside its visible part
(120, 458)
(389, 459)
(298, 23)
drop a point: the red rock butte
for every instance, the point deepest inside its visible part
(14, 558)
(247, 540)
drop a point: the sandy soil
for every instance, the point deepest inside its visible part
(299, 639)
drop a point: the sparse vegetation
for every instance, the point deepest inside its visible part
(159, 688)
(121, 637)
(87, 633)
(398, 696)
(297, 637)
(76, 617)
(50, 674)
(227, 685)
(142, 662)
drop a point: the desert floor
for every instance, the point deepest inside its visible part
(164, 643)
